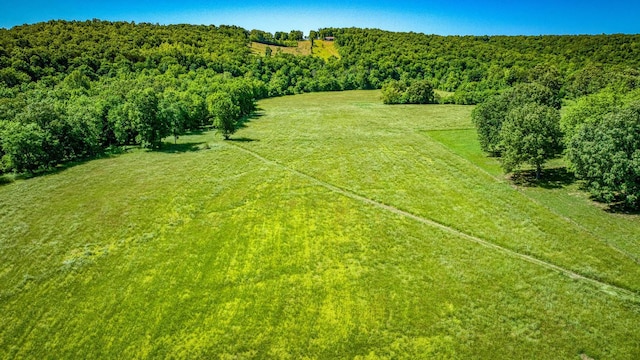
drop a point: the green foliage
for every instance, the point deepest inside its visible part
(492, 63)
(84, 135)
(103, 67)
(531, 135)
(172, 113)
(12, 77)
(550, 77)
(393, 92)
(489, 116)
(420, 92)
(589, 109)
(77, 81)
(143, 115)
(279, 38)
(605, 153)
(224, 112)
(24, 147)
(123, 129)
(414, 92)
(587, 80)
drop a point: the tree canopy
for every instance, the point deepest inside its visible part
(530, 135)
(605, 153)
(408, 92)
(71, 89)
(489, 116)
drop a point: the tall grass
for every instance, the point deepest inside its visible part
(210, 252)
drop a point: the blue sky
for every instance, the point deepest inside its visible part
(442, 17)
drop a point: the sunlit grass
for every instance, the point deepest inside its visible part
(386, 153)
(560, 193)
(325, 49)
(303, 48)
(205, 251)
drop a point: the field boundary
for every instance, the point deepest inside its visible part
(535, 201)
(603, 286)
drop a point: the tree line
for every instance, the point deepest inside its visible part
(478, 67)
(72, 89)
(78, 118)
(599, 135)
(280, 38)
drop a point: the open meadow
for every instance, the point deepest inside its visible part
(330, 226)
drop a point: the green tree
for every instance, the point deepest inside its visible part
(606, 155)
(296, 35)
(530, 134)
(408, 92)
(171, 114)
(151, 128)
(489, 116)
(124, 130)
(24, 147)
(393, 92)
(76, 81)
(549, 76)
(195, 107)
(224, 112)
(587, 80)
(47, 112)
(241, 93)
(420, 92)
(588, 109)
(83, 127)
(12, 77)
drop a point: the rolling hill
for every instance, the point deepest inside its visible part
(330, 226)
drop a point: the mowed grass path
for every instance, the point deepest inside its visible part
(217, 253)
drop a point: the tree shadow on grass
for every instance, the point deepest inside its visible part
(5, 179)
(554, 178)
(11, 177)
(242, 139)
(557, 178)
(171, 148)
(242, 123)
(622, 208)
(199, 131)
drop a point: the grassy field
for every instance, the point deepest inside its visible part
(332, 227)
(325, 49)
(321, 48)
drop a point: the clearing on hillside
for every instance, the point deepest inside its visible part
(321, 48)
(325, 49)
(303, 48)
(332, 226)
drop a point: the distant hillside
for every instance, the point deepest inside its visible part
(472, 66)
(70, 89)
(303, 48)
(477, 66)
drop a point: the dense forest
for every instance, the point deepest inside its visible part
(71, 90)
